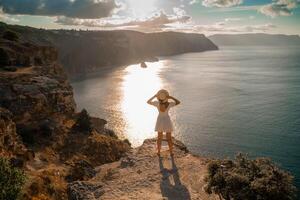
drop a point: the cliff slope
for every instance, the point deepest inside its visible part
(38, 123)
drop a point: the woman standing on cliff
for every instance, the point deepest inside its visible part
(163, 123)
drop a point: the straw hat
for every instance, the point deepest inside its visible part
(162, 95)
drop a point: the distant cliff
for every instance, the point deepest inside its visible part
(85, 51)
(257, 39)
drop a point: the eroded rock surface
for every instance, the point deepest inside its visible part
(34, 91)
(37, 113)
(10, 143)
(143, 175)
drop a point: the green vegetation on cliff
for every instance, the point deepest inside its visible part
(246, 179)
(11, 180)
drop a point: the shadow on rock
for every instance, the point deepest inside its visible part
(176, 191)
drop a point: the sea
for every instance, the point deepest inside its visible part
(236, 99)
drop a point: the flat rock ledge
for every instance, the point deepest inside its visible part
(141, 174)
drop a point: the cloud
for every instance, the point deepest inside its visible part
(279, 8)
(179, 11)
(259, 28)
(160, 21)
(7, 18)
(70, 8)
(220, 3)
(222, 27)
(232, 19)
(156, 22)
(193, 2)
(235, 9)
(168, 5)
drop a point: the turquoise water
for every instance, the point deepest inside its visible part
(237, 99)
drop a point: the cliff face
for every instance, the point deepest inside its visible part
(89, 50)
(38, 87)
(37, 120)
(10, 143)
(170, 43)
(85, 51)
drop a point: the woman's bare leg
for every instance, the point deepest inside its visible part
(159, 139)
(170, 142)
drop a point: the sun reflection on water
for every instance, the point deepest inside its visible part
(139, 84)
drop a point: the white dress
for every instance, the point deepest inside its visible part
(163, 122)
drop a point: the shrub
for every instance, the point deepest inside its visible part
(4, 57)
(27, 133)
(246, 179)
(110, 133)
(11, 180)
(83, 122)
(82, 170)
(10, 69)
(46, 128)
(127, 141)
(10, 35)
(38, 61)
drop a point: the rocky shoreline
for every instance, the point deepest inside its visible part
(97, 49)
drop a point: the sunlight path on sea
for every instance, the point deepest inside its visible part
(139, 84)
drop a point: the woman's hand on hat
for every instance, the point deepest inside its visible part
(150, 100)
(176, 100)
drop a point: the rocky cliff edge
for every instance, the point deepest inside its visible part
(141, 174)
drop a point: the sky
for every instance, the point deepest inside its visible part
(198, 16)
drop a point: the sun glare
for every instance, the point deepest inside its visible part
(141, 8)
(139, 84)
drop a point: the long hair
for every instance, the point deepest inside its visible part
(165, 104)
(162, 102)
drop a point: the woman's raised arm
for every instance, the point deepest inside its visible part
(150, 100)
(176, 100)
